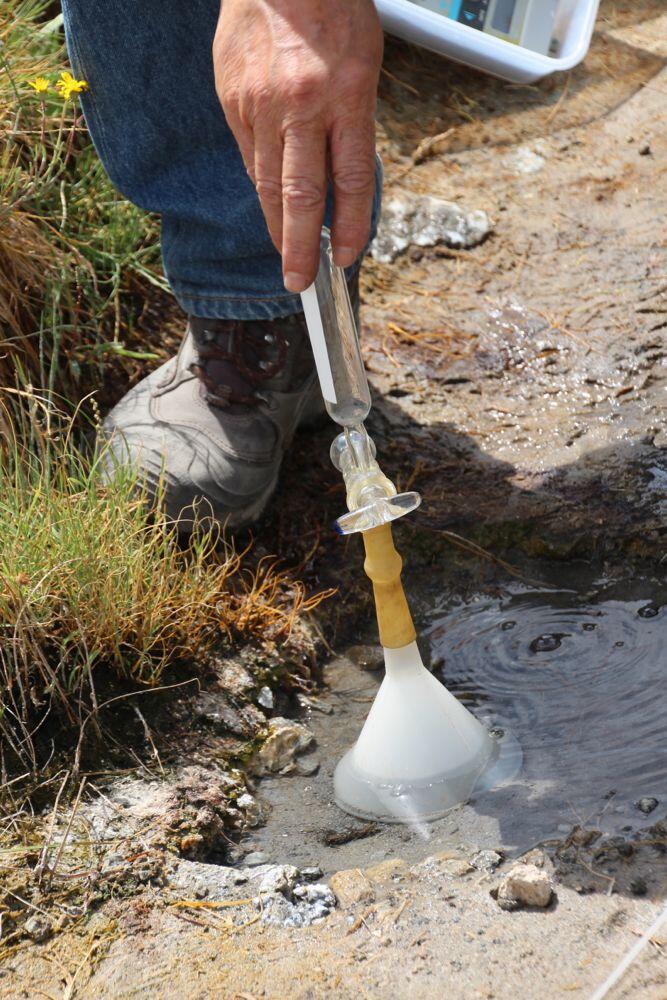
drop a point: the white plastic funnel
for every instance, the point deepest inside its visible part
(421, 752)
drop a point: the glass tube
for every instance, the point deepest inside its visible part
(333, 335)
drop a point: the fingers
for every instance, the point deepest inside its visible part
(353, 175)
(268, 180)
(303, 198)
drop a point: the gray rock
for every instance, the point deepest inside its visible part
(526, 161)
(203, 881)
(311, 874)
(265, 697)
(421, 220)
(647, 805)
(38, 928)
(314, 704)
(255, 858)
(234, 678)
(308, 904)
(307, 767)
(486, 861)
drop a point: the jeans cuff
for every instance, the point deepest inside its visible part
(207, 305)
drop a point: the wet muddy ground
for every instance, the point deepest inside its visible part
(520, 386)
(574, 670)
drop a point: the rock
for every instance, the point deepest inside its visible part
(307, 768)
(486, 861)
(311, 874)
(424, 221)
(389, 870)
(638, 887)
(310, 904)
(255, 858)
(314, 704)
(525, 885)
(539, 858)
(265, 697)
(213, 707)
(251, 808)
(647, 805)
(526, 161)
(191, 810)
(38, 928)
(198, 880)
(366, 657)
(645, 149)
(351, 886)
(281, 878)
(285, 741)
(234, 678)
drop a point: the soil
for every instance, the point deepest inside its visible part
(520, 388)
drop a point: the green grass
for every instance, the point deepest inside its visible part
(76, 259)
(94, 587)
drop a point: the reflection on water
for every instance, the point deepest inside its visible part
(581, 681)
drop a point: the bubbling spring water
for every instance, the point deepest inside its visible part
(581, 682)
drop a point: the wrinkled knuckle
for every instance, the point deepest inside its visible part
(270, 191)
(302, 196)
(258, 98)
(305, 86)
(356, 180)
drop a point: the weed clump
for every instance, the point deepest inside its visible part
(95, 585)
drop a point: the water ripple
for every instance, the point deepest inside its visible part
(581, 683)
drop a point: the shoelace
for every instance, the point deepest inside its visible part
(239, 337)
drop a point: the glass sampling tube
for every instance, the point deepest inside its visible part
(333, 335)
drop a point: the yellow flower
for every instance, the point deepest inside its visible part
(40, 84)
(67, 85)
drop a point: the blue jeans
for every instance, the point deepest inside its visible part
(161, 134)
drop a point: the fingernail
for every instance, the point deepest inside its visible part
(344, 256)
(294, 282)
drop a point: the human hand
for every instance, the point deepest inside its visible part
(297, 80)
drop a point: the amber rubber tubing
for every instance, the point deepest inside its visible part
(383, 565)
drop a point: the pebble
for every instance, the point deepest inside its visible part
(311, 874)
(525, 885)
(351, 887)
(285, 741)
(486, 861)
(314, 704)
(38, 928)
(255, 858)
(252, 811)
(647, 805)
(265, 697)
(281, 879)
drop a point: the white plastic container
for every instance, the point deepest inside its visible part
(573, 28)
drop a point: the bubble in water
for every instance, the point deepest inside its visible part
(589, 626)
(649, 611)
(548, 642)
(506, 626)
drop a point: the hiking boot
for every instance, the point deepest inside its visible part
(207, 431)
